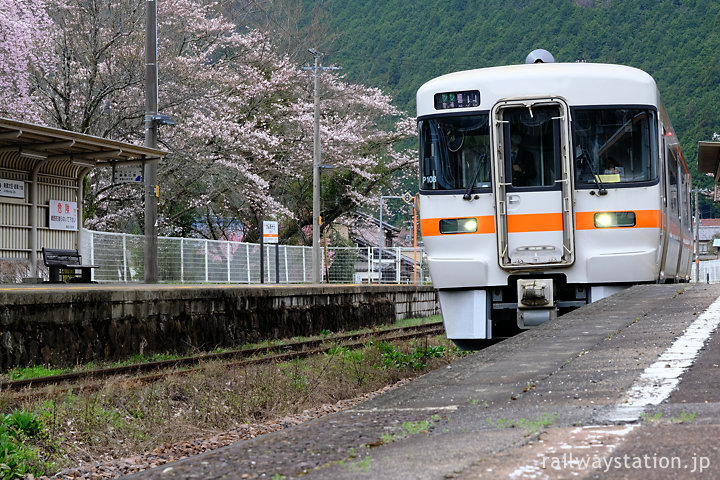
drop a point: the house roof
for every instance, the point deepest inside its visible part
(707, 228)
(710, 222)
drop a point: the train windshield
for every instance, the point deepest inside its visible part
(455, 153)
(614, 145)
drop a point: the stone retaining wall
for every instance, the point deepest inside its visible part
(69, 324)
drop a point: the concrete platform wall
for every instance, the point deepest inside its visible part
(71, 324)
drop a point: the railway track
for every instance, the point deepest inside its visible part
(152, 371)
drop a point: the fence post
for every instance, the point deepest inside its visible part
(304, 267)
(207, 277)
(398, 264)
(124, 250)
(287, 274)
(370, 265)
(182, 260)
(267, 260)
(92, 252)
(228, 261)
(247, 256)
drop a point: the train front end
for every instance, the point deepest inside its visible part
(541, 189)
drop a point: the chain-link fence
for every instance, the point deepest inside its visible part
(121, 259)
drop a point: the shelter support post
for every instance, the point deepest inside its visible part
(34, 217)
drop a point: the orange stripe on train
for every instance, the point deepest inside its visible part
(643, 219)
(431, 226)
(541, 222)
(535, 222)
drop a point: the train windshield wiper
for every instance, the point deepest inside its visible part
(468, 192)
(583, 156)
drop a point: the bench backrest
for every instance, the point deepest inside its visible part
(58, 256)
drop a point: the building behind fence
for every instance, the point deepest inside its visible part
(121, 259)
(706, 271)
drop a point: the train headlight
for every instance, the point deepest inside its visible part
(614, 219)
(458, 225)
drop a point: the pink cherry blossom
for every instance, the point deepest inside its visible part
(242, 147)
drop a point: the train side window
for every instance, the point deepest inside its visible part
(615, 145)
(685, 210)
(673, 187)
(455, 153)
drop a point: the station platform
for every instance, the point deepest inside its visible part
(68, 324)
(623, 388)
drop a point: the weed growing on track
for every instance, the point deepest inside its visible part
(128, 418)
(658, 416)
(23, 439)
(408, 429)
(21, 373)
(532, 425)
(684, 417)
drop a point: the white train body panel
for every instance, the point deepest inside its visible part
(547, 186)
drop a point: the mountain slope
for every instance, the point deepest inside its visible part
(400, 45)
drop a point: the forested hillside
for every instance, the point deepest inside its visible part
(399, 45)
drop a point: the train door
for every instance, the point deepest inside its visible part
(533, 183)
(685, 257)
(671, 224)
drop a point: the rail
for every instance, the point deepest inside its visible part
(246, 356)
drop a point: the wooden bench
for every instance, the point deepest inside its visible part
(66, 263)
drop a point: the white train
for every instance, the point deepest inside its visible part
(546, 186)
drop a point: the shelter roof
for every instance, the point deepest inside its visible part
(709, 158)
(24, 144)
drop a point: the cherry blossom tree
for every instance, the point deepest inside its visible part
(24, 48)
(241, 150)
(96, 83)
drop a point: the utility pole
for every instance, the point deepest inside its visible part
(152, 189)
(697, 238)
(152, 121)
(316, 257)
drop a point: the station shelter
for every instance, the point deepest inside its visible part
(709, 159)
(42, 173)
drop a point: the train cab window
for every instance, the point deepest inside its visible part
(533, 149)
(614, 145)
(455, 153)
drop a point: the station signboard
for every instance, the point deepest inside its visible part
(270, 232)
(62, 215)
(12, 188)
(127, 174)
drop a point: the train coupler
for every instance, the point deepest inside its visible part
(536, 303)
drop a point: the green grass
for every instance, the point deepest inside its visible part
(154, 357)
(532, 425)
(658, 416)
(408, 429)
(412, 322)
(35, 371)
(684, 417)
(416, 359)
(126, 418)
(22, 438)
